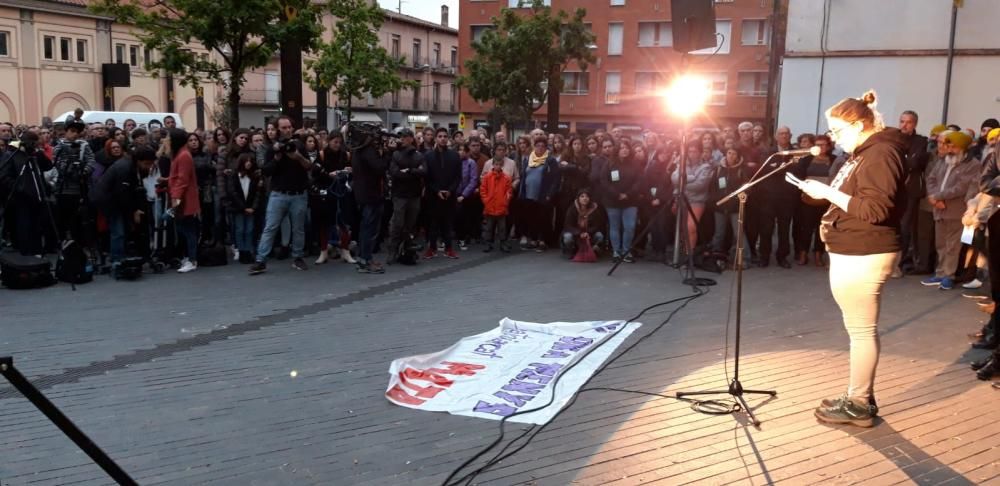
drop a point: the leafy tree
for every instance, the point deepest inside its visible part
(353, 63)
(520, 61)
(240, 35)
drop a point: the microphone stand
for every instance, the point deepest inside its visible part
(736, 389)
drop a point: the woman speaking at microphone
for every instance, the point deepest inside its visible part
(861, 233)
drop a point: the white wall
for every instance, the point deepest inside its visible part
(903, 82)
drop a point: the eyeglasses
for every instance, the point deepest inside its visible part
(835, 132)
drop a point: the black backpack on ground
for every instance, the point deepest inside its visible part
(130, 268)
(73, 266)
(213, 256)
(409, 252)
(25, 272)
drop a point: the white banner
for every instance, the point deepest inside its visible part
(506, 370)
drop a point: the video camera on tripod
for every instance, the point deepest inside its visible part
(360, 132)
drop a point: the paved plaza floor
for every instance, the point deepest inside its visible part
(187, 379)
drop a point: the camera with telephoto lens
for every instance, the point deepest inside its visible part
(358, 132)
(285, 146)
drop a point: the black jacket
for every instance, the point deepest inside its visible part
(444, 172)
(30, 186)
(629, 182)
(876, 183)
(287, 175)
(726, 180)
(916, 163)
(575, 176)
(411, 182)
(596, 221)
(369, 167)
(236, 201)
(120, 189)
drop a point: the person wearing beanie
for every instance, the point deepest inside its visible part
(950, 185)
(979, 146)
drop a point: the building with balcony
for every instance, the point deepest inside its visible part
(51, 57)
(635, 61)
(431, 54)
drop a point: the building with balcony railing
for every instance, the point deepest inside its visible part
(430, 52)
(635, 61)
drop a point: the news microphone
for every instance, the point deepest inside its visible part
(814, 151)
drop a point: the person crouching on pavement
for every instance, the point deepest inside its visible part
(583, 221)
(121, 196)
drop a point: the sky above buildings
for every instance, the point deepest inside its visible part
(429, 10)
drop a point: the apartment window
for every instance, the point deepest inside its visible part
(4, 44)
(756, 32)
(416, 51)
(752, 84)
(576, 83)
(526, 3)
(437, 54)
(454, 57)
(49, 48)
(120, 53)
(395, 99)
(723, 29)
(133, 56)
(655, 34)
(616, 32)
(478, 31)
(454, 97)
(65, 48)
(147, 57)
(395, 46)
(617, 3)
(718, 83)
(416, 98)
(81, 50)
(613, 88)
(649, 83)
(436, 96)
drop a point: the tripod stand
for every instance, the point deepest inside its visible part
(736, 389)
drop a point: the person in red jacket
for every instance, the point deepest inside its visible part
(496, 189)
(184, 202)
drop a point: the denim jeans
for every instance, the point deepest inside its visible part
(371, 220)
(621, 223)
(243, 227)
(728, 223)
(280, 205)
(188, 227)
(116, 231)
(570, 242)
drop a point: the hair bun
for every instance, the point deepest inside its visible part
(869, 97)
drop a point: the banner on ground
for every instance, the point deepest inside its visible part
(508, 369)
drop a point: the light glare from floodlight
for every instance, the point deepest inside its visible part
(687, 95)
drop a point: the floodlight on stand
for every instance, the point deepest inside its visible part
(687, 95)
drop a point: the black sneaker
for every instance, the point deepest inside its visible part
(835, 402)
(505, 247)
(846, 412)
(628, 258)
(258, 268)
(299, 264)
(371, 268)
(488, 248)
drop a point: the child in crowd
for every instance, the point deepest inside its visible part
(496, 190)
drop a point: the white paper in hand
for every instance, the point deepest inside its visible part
(795, 181)
(968, 232)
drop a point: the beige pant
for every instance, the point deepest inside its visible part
(856, 282)
(948, 242)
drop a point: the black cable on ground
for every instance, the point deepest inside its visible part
(533, 430)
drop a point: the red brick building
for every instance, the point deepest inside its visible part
(635, 61)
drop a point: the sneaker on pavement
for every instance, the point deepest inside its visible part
(974, 284)
(897, 273)
(430, 253)
(299, 264)
(976, 294)
(932, 282)
(836, 402)
(187, 266)
(489, 248)
(462, 246)
(258, 268)
(846, 412)
(947, 284)
(450, 253)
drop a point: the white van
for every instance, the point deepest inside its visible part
(141, 119)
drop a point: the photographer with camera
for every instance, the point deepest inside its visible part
(121, 197)
(24, 191)
(288, 167)
(369, 160)
(74, 161)
(407, 170)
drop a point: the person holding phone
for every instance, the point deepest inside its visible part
(861, 232)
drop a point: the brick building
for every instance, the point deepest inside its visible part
(635, 61)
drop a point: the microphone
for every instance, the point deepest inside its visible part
(814, 151)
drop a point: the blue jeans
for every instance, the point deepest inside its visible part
(243, 228)
(621, 223)
(730, 221)
(371, 220)
(116, 229)
(280, 205)
(188, 227)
